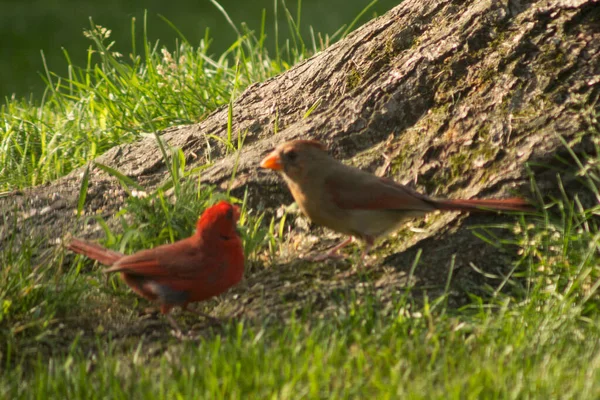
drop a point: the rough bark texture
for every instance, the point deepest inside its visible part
(460, 94)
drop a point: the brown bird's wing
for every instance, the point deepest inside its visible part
(363, 191)
(368, 192)
(483, 205)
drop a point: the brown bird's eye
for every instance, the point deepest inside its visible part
(229, 214)
(291, 155)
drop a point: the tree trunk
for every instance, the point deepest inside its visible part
(461, 95)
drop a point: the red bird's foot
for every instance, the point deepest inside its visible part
(179, 335)
(178, 331)
(209, 318)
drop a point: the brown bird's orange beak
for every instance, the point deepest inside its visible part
(272, 161)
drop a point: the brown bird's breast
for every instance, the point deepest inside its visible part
(376, 223)
(318, 206)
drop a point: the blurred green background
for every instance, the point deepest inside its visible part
(26, 27)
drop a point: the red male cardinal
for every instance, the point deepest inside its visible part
(193, 269)
(355, 202)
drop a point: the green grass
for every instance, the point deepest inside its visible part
(24, 33)
(536, 340)
(503, 353)
(117, 98)
(68, 332)
(533, 335)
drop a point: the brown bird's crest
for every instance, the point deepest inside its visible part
(310, 142)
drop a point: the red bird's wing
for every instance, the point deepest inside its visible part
(180, 272)
(368, 192)
(179, 260)
(94, 251)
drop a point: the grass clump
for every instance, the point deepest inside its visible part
(108, 102)
(116, 98)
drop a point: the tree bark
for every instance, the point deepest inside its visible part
(460, 95)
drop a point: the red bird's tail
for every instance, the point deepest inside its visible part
(512, 204)
(94, 251)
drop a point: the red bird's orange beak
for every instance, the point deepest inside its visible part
(272, 161)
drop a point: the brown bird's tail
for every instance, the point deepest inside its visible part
(484, 205)
(94, 251)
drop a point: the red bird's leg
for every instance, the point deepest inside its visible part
(164, 310)
(174, 324)
(332, 253)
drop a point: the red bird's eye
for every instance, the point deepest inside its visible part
(232, 213)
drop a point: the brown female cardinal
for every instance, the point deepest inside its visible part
(355, 202)
(193, 269)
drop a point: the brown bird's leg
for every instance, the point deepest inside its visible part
(332, 253)
(362, 266)
(368, 245)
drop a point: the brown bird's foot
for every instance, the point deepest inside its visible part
(332, 253)
(362, 267)
(346, 274)
(324, 256)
